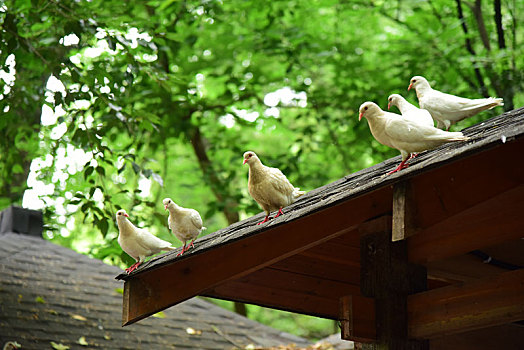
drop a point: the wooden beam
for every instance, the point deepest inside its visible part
(491, 222)
(154, 290)
(357, 318)
(387, 277)
(467, 306)
(404, 211)
(506, 337)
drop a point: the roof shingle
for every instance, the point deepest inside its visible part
(49, 293)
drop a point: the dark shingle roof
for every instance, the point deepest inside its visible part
(49, 293)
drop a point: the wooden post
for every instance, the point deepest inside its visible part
(404, 212)
(387, 276)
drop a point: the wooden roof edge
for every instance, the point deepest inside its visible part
(485, 135)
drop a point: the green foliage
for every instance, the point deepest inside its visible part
(161, 99)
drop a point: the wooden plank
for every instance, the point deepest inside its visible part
(475, 228)
(463, 268)
(357, 318)
(320, 268)
(404, 211)
(467, 306)
(300, 283)
(281, 299)
(506, 337)
(156, 289)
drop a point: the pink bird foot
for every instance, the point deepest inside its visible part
(183, 250)
(265, 220)
(401, 166)
(132, 267)
(280, 212)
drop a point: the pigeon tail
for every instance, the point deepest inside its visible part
(297, 193)
(457, 136)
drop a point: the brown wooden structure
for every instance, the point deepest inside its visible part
(405, 261)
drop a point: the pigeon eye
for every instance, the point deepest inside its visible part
(366, 108)
(414, 81)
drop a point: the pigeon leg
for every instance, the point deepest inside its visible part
(411, 156)
(183, 250)
(401, 166)
(280, 212)
(133, 267)
(266, 219)
(190, 245)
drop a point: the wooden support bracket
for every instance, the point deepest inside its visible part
(404, 211)
(357, 318)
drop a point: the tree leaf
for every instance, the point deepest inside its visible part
(59, 346)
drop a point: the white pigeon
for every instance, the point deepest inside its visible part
(186, 224)
(137, 242)
(269, 187)
(410, 111)
(407, 135)
(448, 109)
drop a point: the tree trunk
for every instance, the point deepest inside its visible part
(217, 187)
(470, 49)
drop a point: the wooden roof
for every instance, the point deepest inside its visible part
(461, 197)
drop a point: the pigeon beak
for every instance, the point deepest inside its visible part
(245, 161)
(389, 105)
(165, 207)
(360, 116)
(410, 86)
(126, 215)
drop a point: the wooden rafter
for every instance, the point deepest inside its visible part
(463, 307)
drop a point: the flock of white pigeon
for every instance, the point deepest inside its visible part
(410, 132)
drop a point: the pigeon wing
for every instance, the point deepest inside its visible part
(196, 220)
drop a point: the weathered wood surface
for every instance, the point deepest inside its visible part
(357, 318)
(404, 212)
(489, 134)
(388, 277)
(492, 222)
(467, 306)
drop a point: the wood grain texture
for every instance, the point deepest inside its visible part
(467, 306)
(404, 212)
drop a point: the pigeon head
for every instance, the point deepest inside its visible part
(168, 203)
(368, 109)
(418, 82)
(250, 157)
(393, 100)
(121, 214)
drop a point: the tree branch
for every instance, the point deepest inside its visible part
(477, 12)
(470, 48)
(498, 23)
(197, 141)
